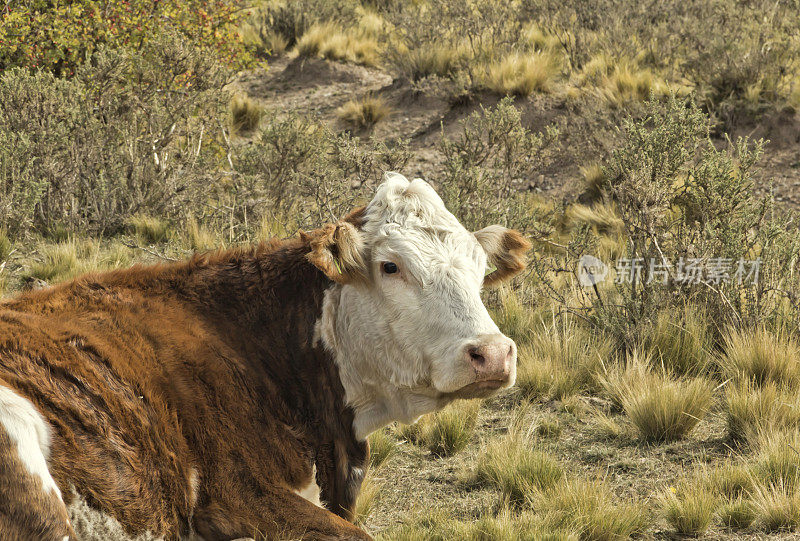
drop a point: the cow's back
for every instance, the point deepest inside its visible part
(88, 361)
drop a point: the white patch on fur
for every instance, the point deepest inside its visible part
(311, 491)
(28, 429)
(399, 341)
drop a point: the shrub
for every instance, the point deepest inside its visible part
(58, 37)
(112, 142)
(364, 113)
(483, 164)
(451, 429)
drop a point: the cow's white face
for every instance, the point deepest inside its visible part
(411, 333)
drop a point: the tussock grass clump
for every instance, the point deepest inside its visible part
(6, 246)
(245, 114)
(436, 58)
(328, 40)
(761, 357)
(513, 465)
(777, 461)
(66, 260)
(738, 514)
(364, 113)
(451, 429)
(777, 507)
(595, 182)
(522, 74)
(661, 407)
(731, 480)
(382, 446)
(689, 508)
(680, 344)
(367, 498)
(415, 432)
(750, 409)
(199, 238)
(601, 217)
(590, 509)
(560, 359)
(149, 229)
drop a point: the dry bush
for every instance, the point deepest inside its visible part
(364, 113)
(112, 142)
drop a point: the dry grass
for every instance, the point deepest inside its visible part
(661, 407)
(245, 114)
(451, 429)
(750, 409)
(590, 509)
(513, 465)
(364, 112)
(522, 74)
(689, 508)
(560, 359)
(367, 498)
(382, 446)
(328, 40)
(680, 344)
(62, 261)
(738, 514)
(149, 229)
(761, 356)
(777, 507)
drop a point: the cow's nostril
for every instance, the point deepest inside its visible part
(476, 357)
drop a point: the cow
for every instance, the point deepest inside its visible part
(231, 395)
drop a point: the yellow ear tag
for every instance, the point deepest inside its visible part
(336, 264)
(489, 270)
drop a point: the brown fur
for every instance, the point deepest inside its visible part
(192, 395)
(506, 249)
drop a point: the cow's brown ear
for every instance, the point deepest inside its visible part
(506, 250)
(337, 250)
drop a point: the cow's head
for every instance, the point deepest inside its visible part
(405, 321)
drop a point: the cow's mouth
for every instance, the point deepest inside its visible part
(481, 389)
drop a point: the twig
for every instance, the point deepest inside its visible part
(149, 251)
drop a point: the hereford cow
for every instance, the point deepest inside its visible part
(231, 395)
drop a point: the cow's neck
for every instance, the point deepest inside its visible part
(374, 397)
(267, 302)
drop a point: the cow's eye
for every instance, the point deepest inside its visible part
(389, 267)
